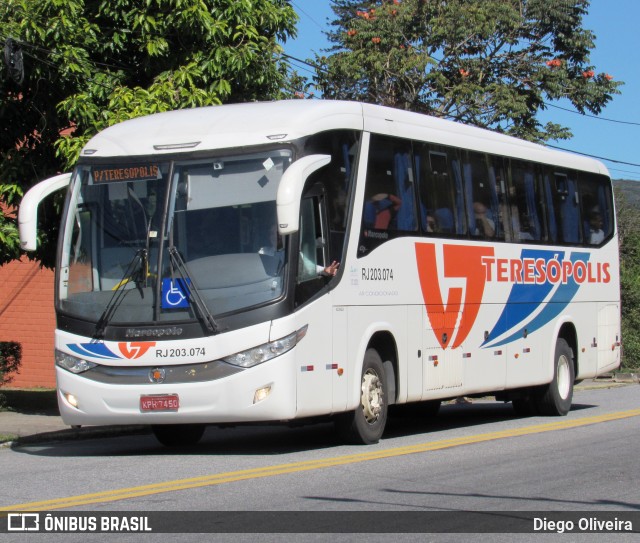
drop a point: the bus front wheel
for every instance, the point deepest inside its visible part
(555, 398)
(366, 424)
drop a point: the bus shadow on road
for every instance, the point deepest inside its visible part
(281, 439)
(405, 422)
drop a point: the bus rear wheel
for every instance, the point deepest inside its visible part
(366, 424)
(555, 398)
(178, 435)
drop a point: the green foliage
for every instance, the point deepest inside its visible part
(629, 235)
(9, 242)
(90, 64)
(10, 357)
(491, 63)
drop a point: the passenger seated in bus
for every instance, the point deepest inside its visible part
(380, 210)
(427, 219)
(430, 223)
(484, 226)
(595, 228)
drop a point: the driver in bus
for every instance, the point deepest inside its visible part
(274, 248)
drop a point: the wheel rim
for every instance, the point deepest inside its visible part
(371, 398)
(564, 377)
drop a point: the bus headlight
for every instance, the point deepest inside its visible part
(267, 351)
(73, 363)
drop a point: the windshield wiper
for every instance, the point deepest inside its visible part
(132, 273)
(193, 294)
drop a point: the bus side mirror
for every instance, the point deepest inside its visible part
(290, 191)
(28, 212)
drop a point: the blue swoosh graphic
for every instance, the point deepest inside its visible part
(560, 299)
(97, 350)
(515, 310)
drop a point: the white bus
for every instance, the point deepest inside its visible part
(194, 283)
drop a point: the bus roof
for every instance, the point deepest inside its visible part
(259, 123)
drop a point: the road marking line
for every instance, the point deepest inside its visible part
(308, 465)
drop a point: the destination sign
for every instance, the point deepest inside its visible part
(109, 174)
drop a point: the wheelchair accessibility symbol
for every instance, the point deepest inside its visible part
(175, 294)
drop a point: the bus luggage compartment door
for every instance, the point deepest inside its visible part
(442, 365)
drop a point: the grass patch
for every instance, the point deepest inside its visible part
(29, 400)
(4, 438)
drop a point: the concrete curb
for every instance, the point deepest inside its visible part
(75, 434)
(626, 378)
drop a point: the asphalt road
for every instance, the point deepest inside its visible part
(478, 457)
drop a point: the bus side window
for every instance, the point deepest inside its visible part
(313, 246)
(80, 277)
(564, 213)
(310, 236)
(337, 178)
(437, 184)
(596, 207)
(481, 198)
(389, 193)
(498, 198)
(526, 213)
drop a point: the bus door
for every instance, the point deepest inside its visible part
(315, 365)
(338, 369)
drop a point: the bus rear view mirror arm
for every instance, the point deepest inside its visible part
(290, 191)
(28, 211)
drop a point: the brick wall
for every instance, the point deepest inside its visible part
(27, 317)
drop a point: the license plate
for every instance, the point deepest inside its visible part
(159, 402)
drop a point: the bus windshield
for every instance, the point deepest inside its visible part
(141, 240)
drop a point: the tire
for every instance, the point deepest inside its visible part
(366, 424)
(178, 435)
(555, 398)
